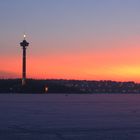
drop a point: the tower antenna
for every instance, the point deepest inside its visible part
(24, 36)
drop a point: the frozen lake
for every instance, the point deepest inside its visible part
(72, 117)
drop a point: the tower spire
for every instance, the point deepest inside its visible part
(24, 36)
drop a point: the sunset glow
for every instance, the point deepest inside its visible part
(94, 41)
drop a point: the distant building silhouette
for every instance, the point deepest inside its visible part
(24, 45)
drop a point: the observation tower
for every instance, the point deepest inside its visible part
(24, 44)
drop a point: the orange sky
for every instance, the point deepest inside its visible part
(73, 39)
(117, 63)
(120, 63)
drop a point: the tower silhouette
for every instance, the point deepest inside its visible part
(24, 45)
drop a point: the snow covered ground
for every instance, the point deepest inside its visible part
(69, 117)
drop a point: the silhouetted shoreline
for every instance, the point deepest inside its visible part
(68, 86)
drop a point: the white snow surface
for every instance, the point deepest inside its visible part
(69, 117)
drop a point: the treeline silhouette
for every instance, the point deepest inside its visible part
(67, 86)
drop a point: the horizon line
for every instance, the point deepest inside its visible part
(69, 79)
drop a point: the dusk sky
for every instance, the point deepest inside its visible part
(71, 39)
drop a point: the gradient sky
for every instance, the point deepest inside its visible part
(71, 39)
